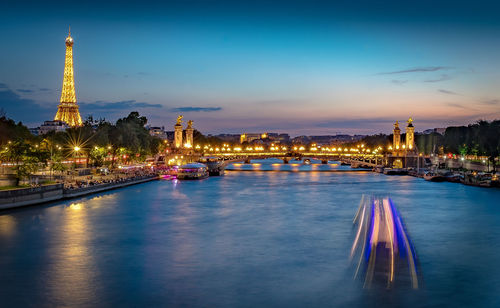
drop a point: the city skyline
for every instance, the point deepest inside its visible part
(284, 67)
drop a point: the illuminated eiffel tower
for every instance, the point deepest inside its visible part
(67, 110)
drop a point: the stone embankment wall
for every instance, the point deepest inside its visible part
(29, 196)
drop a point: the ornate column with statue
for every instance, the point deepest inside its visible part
(396, 139)
(189, 134)
(410, 136)
(178, 133)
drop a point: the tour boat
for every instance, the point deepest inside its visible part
(214, 164)
(193, 171)
(434, 177)
(382, 253)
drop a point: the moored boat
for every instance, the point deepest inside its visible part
(434, 177)
(395, 171)
(453, 177)
(478, 179)
(193, 171)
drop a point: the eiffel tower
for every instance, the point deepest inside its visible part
(67, 110)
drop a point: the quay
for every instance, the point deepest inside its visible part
(15, 198)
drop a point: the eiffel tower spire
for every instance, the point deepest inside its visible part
(67, 110)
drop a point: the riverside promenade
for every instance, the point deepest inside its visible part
(36, 195)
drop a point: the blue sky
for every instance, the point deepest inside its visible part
(303, 67)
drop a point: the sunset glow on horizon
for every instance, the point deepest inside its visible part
(297, 67)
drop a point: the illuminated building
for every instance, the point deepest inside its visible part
(67, 110)
(48, 126)
(158, 132)
(249, 137)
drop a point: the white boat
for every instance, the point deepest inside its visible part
(193, 171)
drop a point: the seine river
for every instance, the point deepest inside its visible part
(247, 239)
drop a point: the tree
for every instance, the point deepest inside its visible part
(27, 159)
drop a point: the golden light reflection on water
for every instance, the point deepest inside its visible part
(76, 206)
(7, 225)
(72, 268)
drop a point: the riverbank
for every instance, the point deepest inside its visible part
(15, 198)
(471, 178)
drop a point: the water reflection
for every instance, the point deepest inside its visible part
(274, 164)
(7, 225)
(71, 275)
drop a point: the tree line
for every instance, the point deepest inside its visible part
(127, 140)
(479, 139)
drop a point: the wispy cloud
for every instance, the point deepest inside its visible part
(3, 86)
(421, 69)
(25, 90)
(456, 105)
(196, 109)
(447, 92)
(491, 102)
(127, 104)
(44, 89)
(399, 82)
(443, 77)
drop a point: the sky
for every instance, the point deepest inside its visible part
(299, 67)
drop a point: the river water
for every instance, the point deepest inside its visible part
(249, 239)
